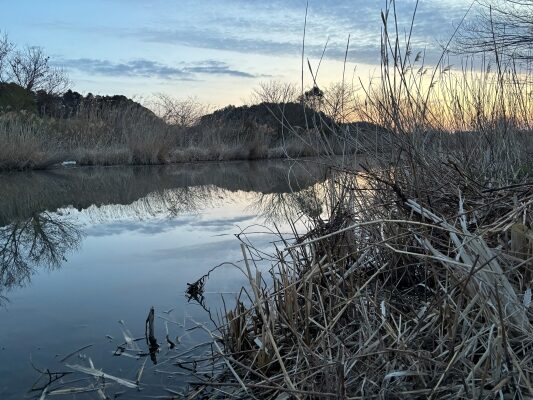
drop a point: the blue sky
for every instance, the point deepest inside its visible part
(217, 51)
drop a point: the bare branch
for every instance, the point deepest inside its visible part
(275, 92)
(181, 113)
(506, 25)
(6, 47)
(31, 69)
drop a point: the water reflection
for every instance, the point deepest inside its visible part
(278, 207)
(44, 215)
(41, 240)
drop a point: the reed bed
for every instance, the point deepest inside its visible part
(415, 281)
(24, 146)
(125, 136)
(392, 295)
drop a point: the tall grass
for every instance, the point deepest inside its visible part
(24, 143)
(96, 135)
(113, 135)
(416, 280)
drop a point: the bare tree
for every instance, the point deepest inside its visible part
(56, 81)
(6, 47)
(338, 102)
(504, 26)
(31, 69)
(275, 92)
(181, 113)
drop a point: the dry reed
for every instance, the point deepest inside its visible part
(416, 282)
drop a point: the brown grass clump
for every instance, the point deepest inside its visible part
(102, 136)
(111, 135)
(23, 146)
(393, 295)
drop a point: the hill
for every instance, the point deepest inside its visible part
(277, 116)
(68, 105)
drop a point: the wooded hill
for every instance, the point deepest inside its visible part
(15, 98)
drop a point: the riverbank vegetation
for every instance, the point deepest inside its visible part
(415, 281)
(414, 276)
(43, 124)
(111, 130)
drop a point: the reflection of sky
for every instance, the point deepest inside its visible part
(158, 208)
(217, 50)
(124, 265)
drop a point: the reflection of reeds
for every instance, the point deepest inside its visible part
(28, 193)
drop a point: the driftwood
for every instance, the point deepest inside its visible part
(151, 340)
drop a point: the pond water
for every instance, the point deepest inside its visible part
(85, 253)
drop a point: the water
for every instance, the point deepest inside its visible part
(82, 249)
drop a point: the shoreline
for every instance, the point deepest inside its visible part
(61, 166)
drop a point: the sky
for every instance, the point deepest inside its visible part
(215, 50)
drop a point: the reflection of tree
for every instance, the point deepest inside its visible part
(280, 207)
(23, 195)
(42, 240)
(168, 203)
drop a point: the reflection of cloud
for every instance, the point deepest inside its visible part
(223, 250)
(193, 252)
(221, 224)
(152, 227)
(152, 69)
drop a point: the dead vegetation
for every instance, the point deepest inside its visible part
(393, 295)
(416, 281)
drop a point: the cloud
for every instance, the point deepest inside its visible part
(212, 39)
(206, 39)
(275, 27)
(152, 69)
(272, 28)
(213, 67)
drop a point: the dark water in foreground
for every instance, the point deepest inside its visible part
(82, 249)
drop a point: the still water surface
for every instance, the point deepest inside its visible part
(82, 249)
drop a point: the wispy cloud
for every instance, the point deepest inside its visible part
(152, 69)
(213, 67)
(275, 28)
(145, 40)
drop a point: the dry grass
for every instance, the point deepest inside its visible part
(94, 137)
(23, 146)
(393, 295)
(128, 136)
(416, 282)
